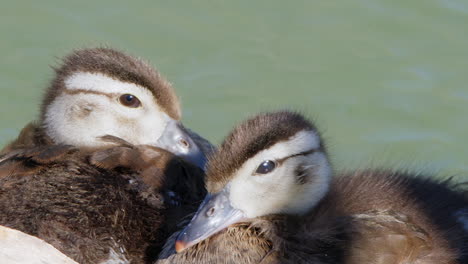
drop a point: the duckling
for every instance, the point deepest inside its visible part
(272, 198)
(99, 175)
(101, 91)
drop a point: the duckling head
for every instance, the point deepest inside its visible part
(101, 91)
(274, 163)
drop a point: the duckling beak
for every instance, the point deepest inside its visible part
(214, 215)
(176, 139)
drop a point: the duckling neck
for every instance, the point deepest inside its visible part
(319, 235)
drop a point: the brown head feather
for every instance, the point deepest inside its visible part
(249, 138)
(119, 66)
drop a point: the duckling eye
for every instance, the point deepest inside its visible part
(266, 167)
(129, 100)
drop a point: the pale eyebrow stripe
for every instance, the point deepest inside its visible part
(96, 81)
(79, 91)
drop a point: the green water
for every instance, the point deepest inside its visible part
(385, 80)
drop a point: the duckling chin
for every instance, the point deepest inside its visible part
(101, 91)
(271, 175)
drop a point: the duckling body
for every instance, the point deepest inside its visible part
(108, 168)
(362, 217)
(91, 212)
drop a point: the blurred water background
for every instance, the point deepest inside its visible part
(385, 80)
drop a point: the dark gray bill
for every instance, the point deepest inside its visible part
(178, 141)
(214, 215)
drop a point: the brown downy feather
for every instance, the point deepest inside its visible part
(237, 244)
(401, 217)
(31, 160)
(90, 203)
(30, 136)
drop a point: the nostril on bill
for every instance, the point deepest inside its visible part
(184, 143)
(210, 212)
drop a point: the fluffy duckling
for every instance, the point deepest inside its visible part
(102, 91)
(115, 194)
(272, 199)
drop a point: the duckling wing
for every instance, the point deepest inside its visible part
(29, 137)
(30, 160)
(157, 168)
(389, 237)
(85, 212)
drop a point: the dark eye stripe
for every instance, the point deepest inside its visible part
(305, 153)
(268, 166)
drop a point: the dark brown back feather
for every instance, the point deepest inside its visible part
(60, 195)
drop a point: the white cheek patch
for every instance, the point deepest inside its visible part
(65, 123)
(279, 191)
(79, 118)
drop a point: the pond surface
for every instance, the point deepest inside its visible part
(385, 80)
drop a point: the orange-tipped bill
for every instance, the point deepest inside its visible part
(214, 215)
